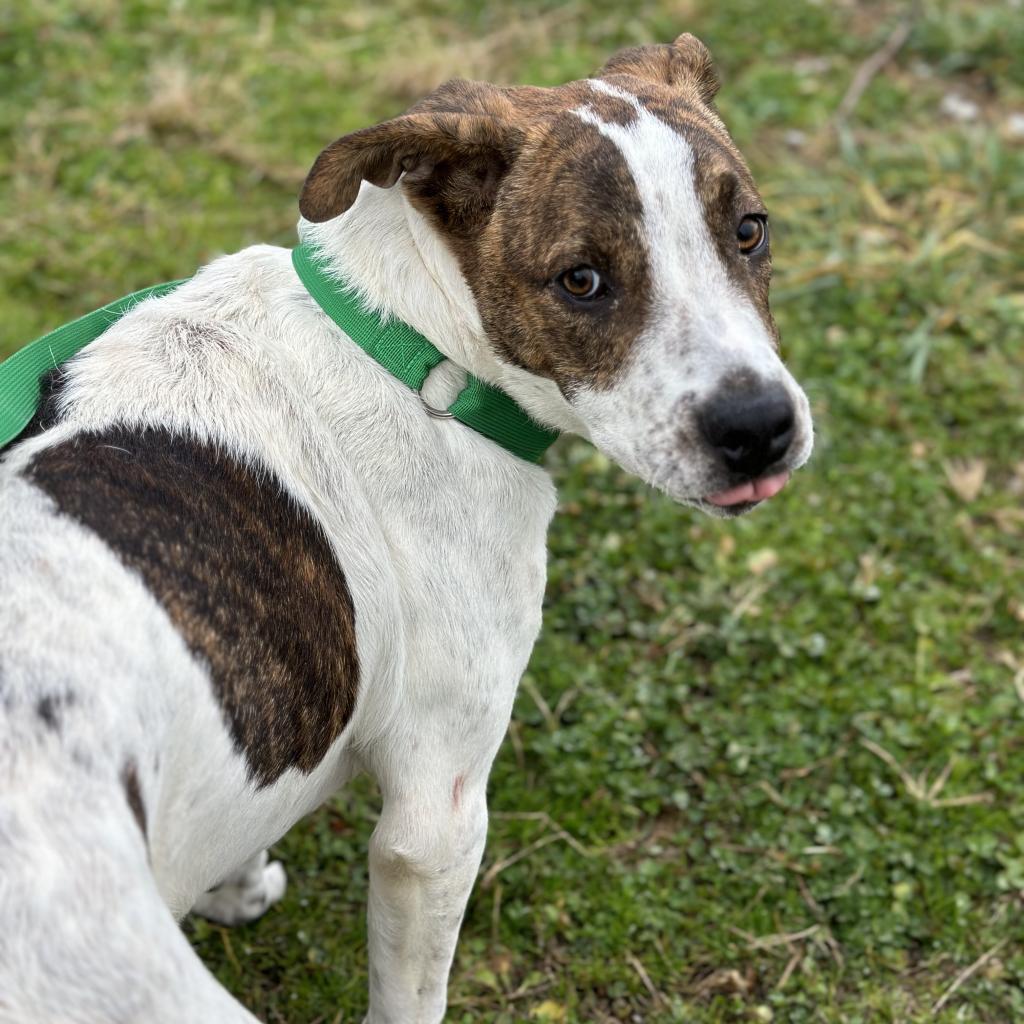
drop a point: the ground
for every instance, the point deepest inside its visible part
(758, 770)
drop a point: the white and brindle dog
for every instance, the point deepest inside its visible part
(241, 563)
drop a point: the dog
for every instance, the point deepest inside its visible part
(242, 561)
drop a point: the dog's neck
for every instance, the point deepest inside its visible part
(388, 252)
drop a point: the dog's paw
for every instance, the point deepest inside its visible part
(245, 895)
(275, 880)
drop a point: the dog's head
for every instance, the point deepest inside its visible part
(616, 245)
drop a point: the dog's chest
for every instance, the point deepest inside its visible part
(467, 548)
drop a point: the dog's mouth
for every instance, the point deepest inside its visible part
(736, 498)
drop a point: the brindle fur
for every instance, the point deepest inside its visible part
(495, 168)
(244, 573)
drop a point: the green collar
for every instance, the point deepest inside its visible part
(395, 345)
(410, 357)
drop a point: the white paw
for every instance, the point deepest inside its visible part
(245, 895)
(275, 881)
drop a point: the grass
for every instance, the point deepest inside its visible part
(768, 769)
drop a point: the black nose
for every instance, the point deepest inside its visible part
(749, 430)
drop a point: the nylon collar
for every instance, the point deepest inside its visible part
(406, 354)
(395, 345)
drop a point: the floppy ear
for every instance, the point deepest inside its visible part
(685, 64)
(452, 161)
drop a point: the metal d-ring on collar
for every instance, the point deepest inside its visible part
(431, 410)
(438, 414)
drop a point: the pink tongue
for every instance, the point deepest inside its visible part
(756, 490)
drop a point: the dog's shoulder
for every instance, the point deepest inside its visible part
(244, 572)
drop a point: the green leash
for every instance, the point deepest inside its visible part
(394, 344)
(21, 373)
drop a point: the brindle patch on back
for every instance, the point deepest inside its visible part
(245, 574)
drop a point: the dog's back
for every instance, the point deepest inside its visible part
(85, 935)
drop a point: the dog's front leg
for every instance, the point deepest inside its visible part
(424, 857)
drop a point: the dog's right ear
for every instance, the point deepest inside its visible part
(684, 64)
(452, 160)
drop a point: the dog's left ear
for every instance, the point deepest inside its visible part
(452, 148)
(685, 64)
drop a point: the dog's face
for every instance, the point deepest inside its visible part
(616, 245)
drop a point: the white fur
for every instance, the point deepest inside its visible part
(700, 329)
(441, 536)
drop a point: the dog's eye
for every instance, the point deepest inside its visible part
(582, 284)
(752, 234)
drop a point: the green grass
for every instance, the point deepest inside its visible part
(787, 751)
